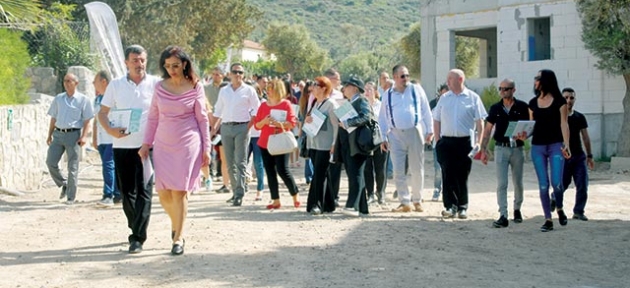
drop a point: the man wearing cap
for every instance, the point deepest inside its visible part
(347, 151)
(406, 123)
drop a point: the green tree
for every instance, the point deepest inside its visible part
(359, 65)
(58, 43)
(606, 33)
(19, 11)
(260, 67)
(295, 51)
(14, 59)
(466, 52)
(201, 27)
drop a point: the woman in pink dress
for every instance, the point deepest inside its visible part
(177, 130)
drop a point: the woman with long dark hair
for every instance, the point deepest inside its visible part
(550, 142)
(178, 131)
(305, 103)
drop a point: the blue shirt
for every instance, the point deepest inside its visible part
(71, 112)
(403, 112)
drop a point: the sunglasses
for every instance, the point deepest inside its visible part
(570, 97)
(239, 72)
(505, 88)
(404, 76)
(174, 66)
(537, 78)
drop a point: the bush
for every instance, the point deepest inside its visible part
(490, 96)
(14, 60)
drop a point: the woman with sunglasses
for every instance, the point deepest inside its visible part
(550, 142)
(276, 164)
(178, 130)
(321, 147)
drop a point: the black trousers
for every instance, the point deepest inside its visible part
(136, 197)
(452, 154)
(333, 179)
(278, 165)
(318, 195)
(355, 169)
(375, 169)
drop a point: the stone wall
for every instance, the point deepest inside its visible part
(24, 128)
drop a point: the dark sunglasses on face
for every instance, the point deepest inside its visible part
(237, 72)
(505, 88)
(404, 76)
(537, 78)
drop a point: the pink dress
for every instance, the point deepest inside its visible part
(178, 129)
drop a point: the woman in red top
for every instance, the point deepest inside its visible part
(276, 164)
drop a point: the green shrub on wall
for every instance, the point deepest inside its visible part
(14, 60)
(490, 96)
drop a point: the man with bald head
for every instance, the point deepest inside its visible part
(458, 112)
(70, 114)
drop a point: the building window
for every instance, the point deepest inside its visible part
(539, 38)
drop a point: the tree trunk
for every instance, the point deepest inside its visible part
(623, 143)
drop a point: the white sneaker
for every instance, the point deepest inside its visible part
(350, 212)
(105, 202)
(208, 185)
(70, 202)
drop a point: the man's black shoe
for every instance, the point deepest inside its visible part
(578, 216)
(135, 247)
(231, 200)
(237, 202)
(63, 192)
(518, 218)
(562, 218)
(117, 200)
(502, 222)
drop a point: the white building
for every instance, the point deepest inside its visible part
(519, 38)
(252, 51)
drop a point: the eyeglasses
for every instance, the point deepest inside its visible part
(569, 97)
(537, 78)
(404, 76)
(505, 88)
(240, 72)
(317, 85)
(174, 66)
(68, 81)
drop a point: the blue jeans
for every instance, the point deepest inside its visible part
(549, 163)
(308, 170)
(258, 163)
(110, 189)
(575, 167)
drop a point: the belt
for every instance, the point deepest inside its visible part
(506, 144)
(457, 138)
(67, 129)
(234, 123)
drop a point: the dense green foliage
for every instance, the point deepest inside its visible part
(606, 33)
(19, 11)
(489, 96)
(59, 43)
(14, 60)
(346, 28)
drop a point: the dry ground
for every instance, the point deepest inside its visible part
(49, 244)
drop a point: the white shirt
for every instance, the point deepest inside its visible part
(102, 137)
(123, 93)
(403, 113)
(237, 105)
(457, 113)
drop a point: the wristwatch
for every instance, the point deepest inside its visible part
(589, 156)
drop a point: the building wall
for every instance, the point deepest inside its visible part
(599, 95)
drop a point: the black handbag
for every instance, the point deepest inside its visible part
(369, 137)
(302, 145)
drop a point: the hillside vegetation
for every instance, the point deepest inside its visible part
(343, 27)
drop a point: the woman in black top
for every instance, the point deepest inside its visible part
(550, 142)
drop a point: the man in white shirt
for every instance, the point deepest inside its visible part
(458, 112)
(132, 91)
(236, 107)
(404, 113)
(103, 143)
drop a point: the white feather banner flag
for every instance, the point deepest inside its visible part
(105, 39)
